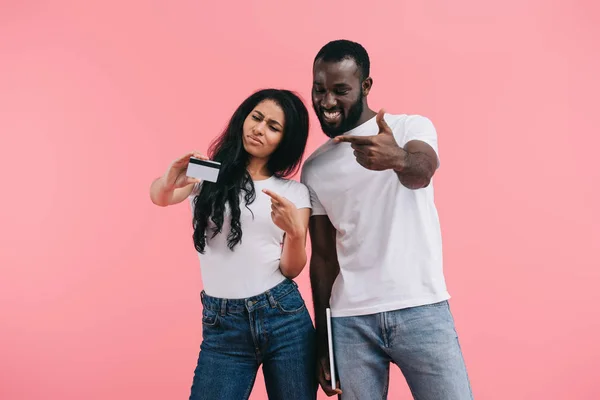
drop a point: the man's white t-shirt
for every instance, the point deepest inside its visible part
(388, 237)
(253, 266)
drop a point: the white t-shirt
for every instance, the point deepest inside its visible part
(253, 266)
(388, 237)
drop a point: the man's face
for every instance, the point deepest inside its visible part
(337, 95)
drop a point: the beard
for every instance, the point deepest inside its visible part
(346, 123)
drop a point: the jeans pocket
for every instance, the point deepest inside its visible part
(291, 303)
(209, 317)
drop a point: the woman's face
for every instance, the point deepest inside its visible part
(263, 129)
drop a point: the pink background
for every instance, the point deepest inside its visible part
(99, 289)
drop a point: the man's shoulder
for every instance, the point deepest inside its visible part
(404, 121)
(320, 152)
(400, 119)
(313, 161)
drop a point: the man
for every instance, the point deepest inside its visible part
(376, 242)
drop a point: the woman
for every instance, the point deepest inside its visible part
(250, 232)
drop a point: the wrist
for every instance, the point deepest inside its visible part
(401, 160)
(165, 186)
(295, 233)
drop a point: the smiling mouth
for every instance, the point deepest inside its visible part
(331, 117)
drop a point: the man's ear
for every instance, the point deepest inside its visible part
(366, 86)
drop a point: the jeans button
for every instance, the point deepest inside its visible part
(250, 303)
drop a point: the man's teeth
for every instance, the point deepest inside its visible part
(331, 115)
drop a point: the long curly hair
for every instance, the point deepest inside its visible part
(234, 181)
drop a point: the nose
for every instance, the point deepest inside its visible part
(328, 101)
(259, 128)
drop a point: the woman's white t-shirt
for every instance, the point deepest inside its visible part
(253, 266)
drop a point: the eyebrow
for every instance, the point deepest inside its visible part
(335, 84)
(272, 120)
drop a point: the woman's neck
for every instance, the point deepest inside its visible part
(257, 168)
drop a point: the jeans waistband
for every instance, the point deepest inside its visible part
(266, 299)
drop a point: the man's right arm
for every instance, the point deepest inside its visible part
(324, 268)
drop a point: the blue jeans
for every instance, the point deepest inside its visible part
(422, 341)
(272, 329)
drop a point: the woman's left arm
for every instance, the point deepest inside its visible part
(294, 222)
(293, 256)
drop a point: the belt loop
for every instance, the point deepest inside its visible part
(272, 301)
(224, 307)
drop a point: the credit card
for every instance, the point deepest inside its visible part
(204, 170)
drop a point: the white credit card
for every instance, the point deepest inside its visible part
(203, 169)
(330, 344)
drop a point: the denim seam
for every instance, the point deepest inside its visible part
(214, 323)
(282, 295)
(435, 305)
(387, 384)
(255, 340)
(249, 390)
(465, 365)
(217, 308)
(292, 312)
(384, 330)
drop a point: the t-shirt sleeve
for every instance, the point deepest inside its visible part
(317, 207)
(299, 195)
(420, 128)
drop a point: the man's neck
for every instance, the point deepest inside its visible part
(366, 115)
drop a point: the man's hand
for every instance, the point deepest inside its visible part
(378, 152)
(324, 376)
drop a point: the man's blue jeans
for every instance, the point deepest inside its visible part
(422, 341)
(273, 329)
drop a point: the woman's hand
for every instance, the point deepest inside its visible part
(174, 185)
(175, 176)
(285, 215)
(294, 223)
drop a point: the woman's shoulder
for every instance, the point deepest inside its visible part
(290, 188)
(289, 184)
